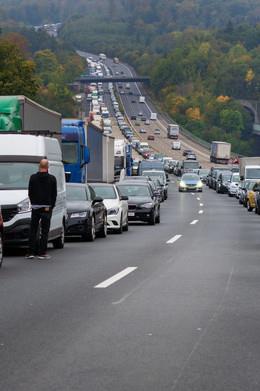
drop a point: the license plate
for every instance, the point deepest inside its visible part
(131, 214)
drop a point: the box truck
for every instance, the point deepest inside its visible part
(153, 116)
(173, 131)
(249, 168)
(220, 152)
(141, 99)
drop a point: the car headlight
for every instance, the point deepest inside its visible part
(24, 206)
(112, 211)
(147, 205)
(200, 184)
(79, 214)
(182, 184)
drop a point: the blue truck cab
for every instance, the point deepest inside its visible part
(75, 152)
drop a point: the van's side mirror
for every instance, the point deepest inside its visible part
(123, 198)
(67, 176)
(242, 178)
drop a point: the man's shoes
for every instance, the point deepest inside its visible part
(29, 256)
(44, 256)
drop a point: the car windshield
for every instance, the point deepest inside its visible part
(235, 178)
(69, 152)
(157, 174)
(226, 177)
(252, 173)
(190, 177)
(190, 164)
(203, 172)
(76, 193)
(134, 190)
(16, 175)
(106, 192)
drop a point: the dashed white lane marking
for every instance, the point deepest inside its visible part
(201, 204)
(174, 239)
(198, 198)
(200, 212)
(192, 194)
(194, 222)
(116, 277)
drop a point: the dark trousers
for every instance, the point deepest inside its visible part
(39, 230)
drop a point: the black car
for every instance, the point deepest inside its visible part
(133, 117)
(155, 184)
(87, 214)
(191, 156)
(187, 152)
(223, 179)
(143, 204)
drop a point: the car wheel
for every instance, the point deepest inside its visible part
(152, 218)
(103, 232)
(1, 249)
(59, 242)
(120, 230)
(90, 235)
(125, 228)
(249, 208)
(158, 218)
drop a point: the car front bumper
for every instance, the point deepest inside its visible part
(140, 214)
(77, 226)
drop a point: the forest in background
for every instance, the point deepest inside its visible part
(38, 66)
(201, 55)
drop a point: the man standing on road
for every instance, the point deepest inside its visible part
(42, 195)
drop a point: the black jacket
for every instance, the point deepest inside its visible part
(43, 189)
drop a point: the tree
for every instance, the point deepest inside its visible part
(231, 120)
(17, 74)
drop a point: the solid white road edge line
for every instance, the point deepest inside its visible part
(174, 239)
(194, 222)
(116, 277)
(200, 212)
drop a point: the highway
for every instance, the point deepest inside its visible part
(185, 317)
(161, 143)
(170, 307)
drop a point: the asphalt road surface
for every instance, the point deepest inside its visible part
(174, 306)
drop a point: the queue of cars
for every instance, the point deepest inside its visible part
(226, 180)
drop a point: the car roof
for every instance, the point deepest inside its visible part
(129, 182)
(101, 184)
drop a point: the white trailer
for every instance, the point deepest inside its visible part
(153, 116)
(220, 152)
(141, 99)
(249, 168)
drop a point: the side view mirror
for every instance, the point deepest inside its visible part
(97, 200)
(168, 180)
(67, 176)
(123, 198)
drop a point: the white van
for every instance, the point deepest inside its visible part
(20, 155)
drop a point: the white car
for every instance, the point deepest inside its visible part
(176, 145)
(233, 185)
(117, 206)
(142, 130)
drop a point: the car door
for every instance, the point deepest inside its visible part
(98, 209)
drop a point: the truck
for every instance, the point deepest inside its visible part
(153, 116)
(102, 56)
(249, 168)
(189, 166)
(146, 165)
(19, 113)
(101, 149)
(220, 152)
(75, 152)
(141, 99)
(173, 131)
(116, 60)
(123, 158)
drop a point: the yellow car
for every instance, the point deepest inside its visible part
(250, 197)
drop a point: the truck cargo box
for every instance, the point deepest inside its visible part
(220, 152)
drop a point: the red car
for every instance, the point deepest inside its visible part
(150, 137)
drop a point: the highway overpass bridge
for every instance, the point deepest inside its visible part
(254, 107)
